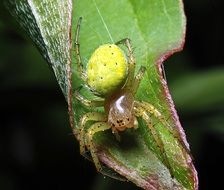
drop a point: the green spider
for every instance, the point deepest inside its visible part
(110, 76)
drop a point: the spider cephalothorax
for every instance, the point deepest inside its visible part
(112, 77)
(119, 108)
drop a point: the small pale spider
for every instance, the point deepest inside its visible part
(112, 77)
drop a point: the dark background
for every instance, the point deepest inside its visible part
(37, 149)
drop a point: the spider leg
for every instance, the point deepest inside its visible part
(131, 61)
(95, 128)
(77, 52)
(86, 102)
(140, 112)
(138, 79)
(143, 113)
(152, 110)
(91, 116)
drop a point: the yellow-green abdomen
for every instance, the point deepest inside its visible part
(107, 69)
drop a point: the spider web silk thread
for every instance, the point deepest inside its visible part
(104, 23)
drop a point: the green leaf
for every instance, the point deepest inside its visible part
(49, 28)
(157, 29)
